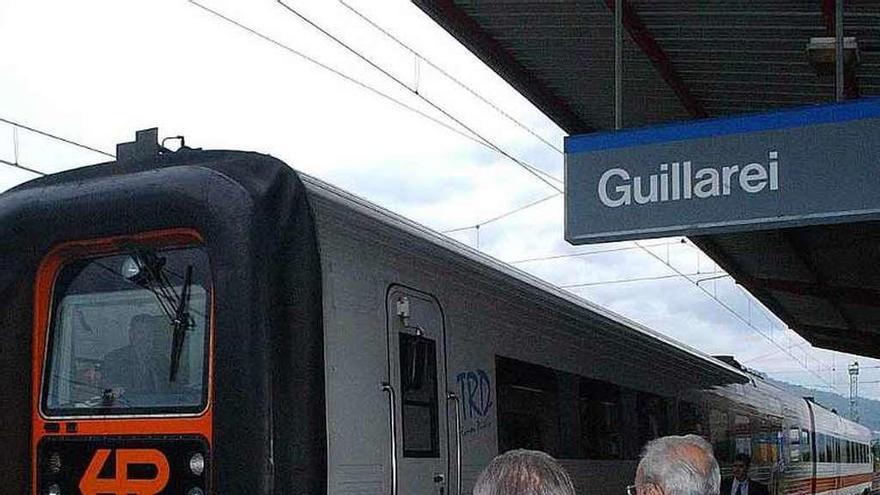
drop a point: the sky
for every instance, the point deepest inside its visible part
(95, 72)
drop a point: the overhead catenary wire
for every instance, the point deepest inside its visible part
(503, 215)
(336, 72)
(22, 167)
(737, 315)
(624, 281)
(354, 81)
(539, 174)
(770, 354)
(449, 76)
(377, 92)
(56, 137)
(588, 253)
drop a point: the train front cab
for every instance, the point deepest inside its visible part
(162, 329)
(122, 346)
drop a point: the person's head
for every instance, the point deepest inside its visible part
(741, 463)
(139, 330)
(677, 465)
(524, 472)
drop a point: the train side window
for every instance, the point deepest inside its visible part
(418, 377)
(691, 419)
(600, 420)
(826, 448)
(829, 448)
(719, 428)
(794, 441)
(821, 448)
(528, 406)
(806, 448)
(653, 417)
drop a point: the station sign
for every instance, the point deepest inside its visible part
(808, 166)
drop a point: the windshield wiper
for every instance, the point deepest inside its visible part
(181, 324)
(151, 275)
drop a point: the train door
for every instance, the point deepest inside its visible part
(417, 393)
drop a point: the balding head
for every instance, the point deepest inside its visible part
(524, 472)
(679, 466)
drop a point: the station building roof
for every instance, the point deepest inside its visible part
(694, 59)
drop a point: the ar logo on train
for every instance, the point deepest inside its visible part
(121, 484)
(476, 393)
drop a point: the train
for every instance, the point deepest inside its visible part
(200, 322)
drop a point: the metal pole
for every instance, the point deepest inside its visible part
(854, 391)
(838, 44)
(618, 63)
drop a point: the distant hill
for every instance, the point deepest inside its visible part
(869, 409)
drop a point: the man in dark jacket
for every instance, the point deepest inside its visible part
(740, 484)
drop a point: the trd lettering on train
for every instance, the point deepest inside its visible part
(476, 393)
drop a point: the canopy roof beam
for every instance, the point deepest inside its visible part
(642, 37)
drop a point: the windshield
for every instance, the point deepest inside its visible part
(118, 323)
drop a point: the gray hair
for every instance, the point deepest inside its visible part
(524, 472)
(680, 466)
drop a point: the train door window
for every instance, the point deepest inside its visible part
(528, 406)
(600, 420)
(821, 448)
(794, 442)
(806, 448)
(418, 378)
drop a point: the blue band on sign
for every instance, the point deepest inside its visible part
(806, 116)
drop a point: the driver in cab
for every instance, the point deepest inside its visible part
(142, 365)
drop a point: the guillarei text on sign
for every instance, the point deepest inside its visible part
(677, 180)
(808, 166)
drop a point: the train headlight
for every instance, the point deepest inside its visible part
(53, 489)
(197, 466)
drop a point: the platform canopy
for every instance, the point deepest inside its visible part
(697, 59)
